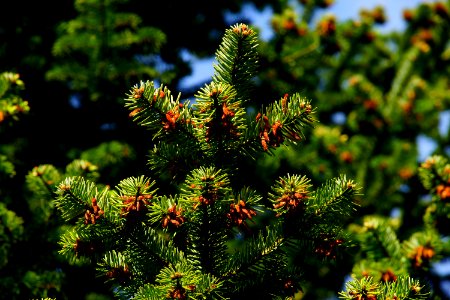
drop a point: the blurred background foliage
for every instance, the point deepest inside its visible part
(68, 64)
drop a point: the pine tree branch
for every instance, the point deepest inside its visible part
(403, 288)
(146, 243)
(156, 109)
(237, 59)
(283, 121)
(382, 241)
(249, 266)
(207, 195)
(74, 195)
(334, 199)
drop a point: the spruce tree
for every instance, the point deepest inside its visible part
(97, 53)
(378, 94)
(208, 234)
(89, 48)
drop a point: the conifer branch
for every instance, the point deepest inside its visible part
(237, 59)
(181, 281)
(146, 243)
(403, 288)
(81, 244)
(11, 104)
(156, 109)
(174, 160)
(253, 255)
(41, 179)
(334, 199)
(115, 267)
(422, 249)
(381, 241)
(83, 168)
(283, 121)
(209, 196)
(219, 115)
(401, 78)
(74, 195)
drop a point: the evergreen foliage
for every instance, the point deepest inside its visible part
(378, 94)
(264, 175)
(90, 45)
(36, 43)
(11, 107)
(98, 52)
(386, 263)
(30, 265)
(28, 39)
(11, 103)
(197, 240)
(401, 288)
